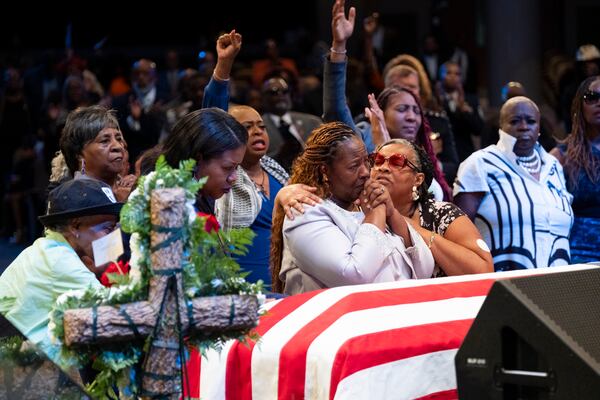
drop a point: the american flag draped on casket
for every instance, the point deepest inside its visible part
(380, 341)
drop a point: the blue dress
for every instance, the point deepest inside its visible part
(585, 234)
(257, 260)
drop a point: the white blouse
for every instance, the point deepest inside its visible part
(328, 246)
(525, 222)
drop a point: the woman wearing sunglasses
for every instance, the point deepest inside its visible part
(406, 171)
(397, 108)
(515, 192)
(580, 156)
(338, 242)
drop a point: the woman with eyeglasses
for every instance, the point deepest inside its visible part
(515, 193)
(338, 242)
(405, 170)
(579, 154)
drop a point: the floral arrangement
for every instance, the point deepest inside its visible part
(208, 270)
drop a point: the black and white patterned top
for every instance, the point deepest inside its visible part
(524, 221)
(437, 216)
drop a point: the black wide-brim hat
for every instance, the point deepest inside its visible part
(80, 198)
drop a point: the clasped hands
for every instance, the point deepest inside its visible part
(375, 195)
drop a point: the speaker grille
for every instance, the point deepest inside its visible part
(572, 301)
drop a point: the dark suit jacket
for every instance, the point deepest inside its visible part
(151, 124)
(282, 150)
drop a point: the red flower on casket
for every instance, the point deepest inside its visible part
(211, 222)
(121, 268)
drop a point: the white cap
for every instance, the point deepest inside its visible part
(587, 52)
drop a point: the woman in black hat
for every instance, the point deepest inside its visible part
(79, 212)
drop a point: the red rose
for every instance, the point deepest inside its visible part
(121, 268)
(211, 222)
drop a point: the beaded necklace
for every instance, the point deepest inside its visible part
(532, 163)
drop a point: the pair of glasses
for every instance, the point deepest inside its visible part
(591, 97)
(396, 160)
(274, 91)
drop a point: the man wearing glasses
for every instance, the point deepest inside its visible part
(287, 129)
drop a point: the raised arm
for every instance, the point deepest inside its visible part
(370, 26)
(216, 93)
(335, 107)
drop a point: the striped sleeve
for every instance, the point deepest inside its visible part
(471, 176)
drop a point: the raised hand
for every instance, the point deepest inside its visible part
(379, 130)
(371, 23)
(229, 45)
(135, 108)
(342, 27)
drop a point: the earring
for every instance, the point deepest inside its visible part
(82, 166)
(326, 183)
(415, 194)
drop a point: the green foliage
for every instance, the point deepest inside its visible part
(13, 351)
(208, 270)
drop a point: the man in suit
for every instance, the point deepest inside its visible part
(141, 111)
(287, 129)
(462, 109)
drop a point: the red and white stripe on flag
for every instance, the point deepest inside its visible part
(391, 340)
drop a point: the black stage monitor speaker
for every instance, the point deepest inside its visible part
(535, 337)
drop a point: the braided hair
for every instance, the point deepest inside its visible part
(321, 148)
(422, 139)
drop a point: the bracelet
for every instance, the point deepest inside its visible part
(337, 52)
(431, 240)
(217, 77)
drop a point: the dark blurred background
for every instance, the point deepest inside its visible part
(533, 30)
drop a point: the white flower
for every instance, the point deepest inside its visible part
(134, 194)
(159, 183)
(136, 247)
(261, 299)
(51, 328)
(147, 181)
(191, 211)
(216, 283)
(77, 293)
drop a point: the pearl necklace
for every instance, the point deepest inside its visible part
(532, 163)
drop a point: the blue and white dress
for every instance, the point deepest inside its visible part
(525, 222)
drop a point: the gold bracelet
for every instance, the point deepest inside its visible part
(431, 240)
